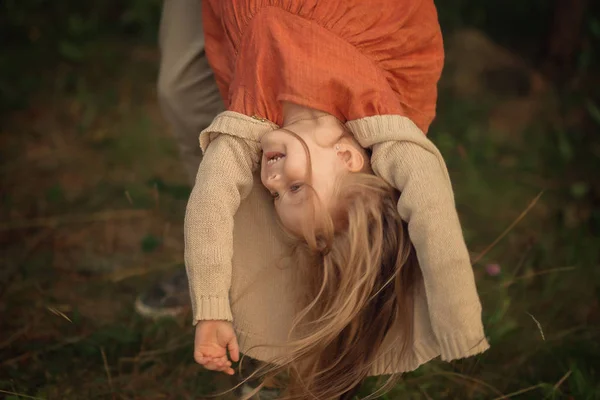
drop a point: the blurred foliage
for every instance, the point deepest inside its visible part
(30, 21)
(520, 24)
(38, 33)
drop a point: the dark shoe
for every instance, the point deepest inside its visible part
(167, 298)
(263, 394)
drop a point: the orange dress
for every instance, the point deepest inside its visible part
(350, 58)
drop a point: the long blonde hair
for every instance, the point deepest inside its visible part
(358, 270)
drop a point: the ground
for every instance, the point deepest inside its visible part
(93, 201)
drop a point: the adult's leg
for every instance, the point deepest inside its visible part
(189, 99)
(187, 91)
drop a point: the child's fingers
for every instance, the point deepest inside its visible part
(234, 349)
(213, 366)
(203, 360)
(224, 360)
(221, 361)
(211, 350)
(198, 355)
(221, 367)
(218, 361)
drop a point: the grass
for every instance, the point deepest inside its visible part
(92, 211)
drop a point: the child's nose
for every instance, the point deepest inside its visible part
(274, 177)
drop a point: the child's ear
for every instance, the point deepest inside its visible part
(351, 157)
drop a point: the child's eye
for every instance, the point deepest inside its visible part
(295, 188)
(275, 195)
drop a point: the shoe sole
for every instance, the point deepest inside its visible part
(264, 394)
(150, 312)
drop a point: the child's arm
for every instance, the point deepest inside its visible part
(406, 159)
(427, 204)
(224, 179)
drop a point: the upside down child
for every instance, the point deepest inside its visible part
(321, 235)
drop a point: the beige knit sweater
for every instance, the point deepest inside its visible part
(235, 253)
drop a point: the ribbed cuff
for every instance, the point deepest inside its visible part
(462, 346)
(393, 362)
(211, 308)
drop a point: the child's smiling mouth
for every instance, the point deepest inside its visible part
(273, 157)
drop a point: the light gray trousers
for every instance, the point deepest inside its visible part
(187, 92)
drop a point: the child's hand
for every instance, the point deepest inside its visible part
(213, 339)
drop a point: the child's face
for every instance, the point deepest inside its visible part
(301, 186)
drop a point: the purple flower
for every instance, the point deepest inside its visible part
(493, 269)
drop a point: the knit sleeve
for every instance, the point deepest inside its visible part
(224, 179)
(413, 165)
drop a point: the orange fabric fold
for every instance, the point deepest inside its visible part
(350, 58)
